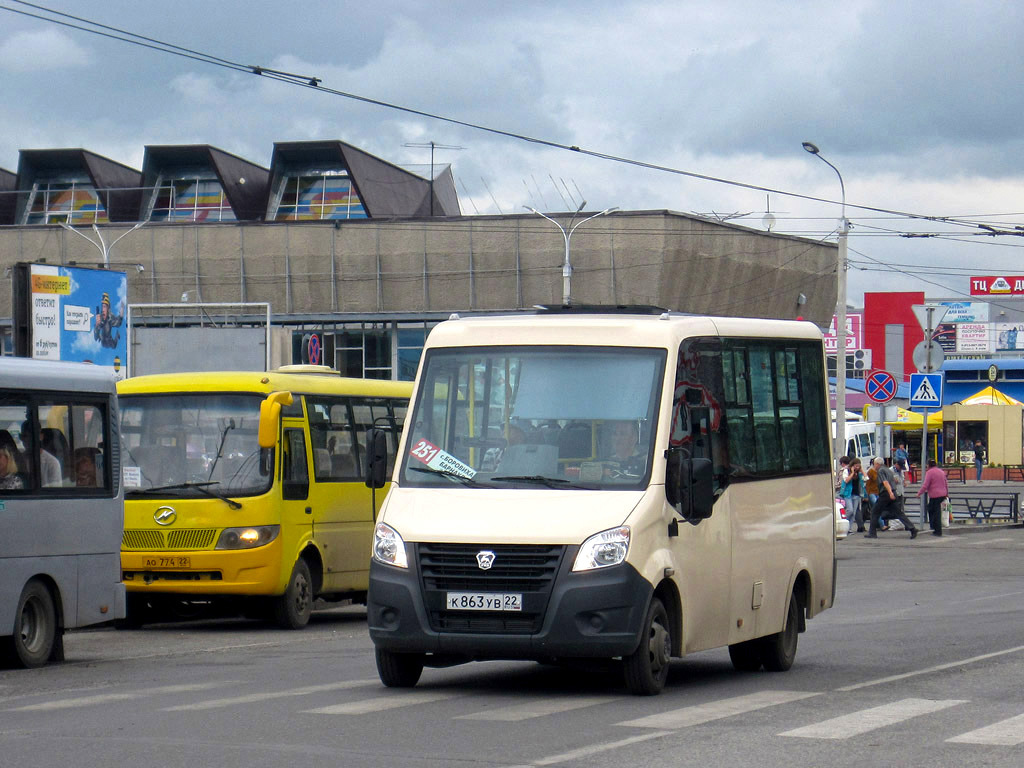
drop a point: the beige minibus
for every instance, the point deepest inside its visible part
(626, 484)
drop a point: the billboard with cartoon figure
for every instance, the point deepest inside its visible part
(72, 314)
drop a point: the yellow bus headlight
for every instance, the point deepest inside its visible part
(247, 537)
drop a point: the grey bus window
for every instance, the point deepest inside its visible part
(13, 414)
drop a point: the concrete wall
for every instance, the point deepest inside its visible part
(468, 263)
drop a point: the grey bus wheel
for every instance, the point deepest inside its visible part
(292, 609)
(35, 626)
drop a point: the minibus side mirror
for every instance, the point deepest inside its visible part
(376, 458)
(270, 418)
(689, 486)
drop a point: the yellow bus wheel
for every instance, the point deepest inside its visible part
(292, 609)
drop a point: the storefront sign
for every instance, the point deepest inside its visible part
(854, 333)
(965, 311)
(998, 285)
(973, 337)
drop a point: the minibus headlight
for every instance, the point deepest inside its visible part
(247, 537)
(603, 549)
(388, 547)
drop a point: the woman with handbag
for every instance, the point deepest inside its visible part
(937, 488)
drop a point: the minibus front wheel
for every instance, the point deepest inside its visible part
(646, 669)
(399, 670)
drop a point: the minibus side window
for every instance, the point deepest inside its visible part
(296, 474)
(698, 416)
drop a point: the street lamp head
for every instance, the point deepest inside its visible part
(810, 147)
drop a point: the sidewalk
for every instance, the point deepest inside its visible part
(911, 507)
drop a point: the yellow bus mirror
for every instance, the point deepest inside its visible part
(270, 417)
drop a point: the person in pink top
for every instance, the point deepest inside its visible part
(935, 486)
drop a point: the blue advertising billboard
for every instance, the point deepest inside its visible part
(78, 315)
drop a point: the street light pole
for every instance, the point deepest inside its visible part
(102, 246)
(841, 266)
(567, 234)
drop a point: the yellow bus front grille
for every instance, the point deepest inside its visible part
(142, 540)
(193, 538)
(198, 538)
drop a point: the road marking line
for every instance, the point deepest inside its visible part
(538, 708)
(929, 670)
(986, 541)
(598, 748)
(379, 704)
(106, 698)
(254, 697)
(858, 723)
(1007, 733)
(716, 710)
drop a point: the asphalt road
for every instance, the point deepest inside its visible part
(921, 662)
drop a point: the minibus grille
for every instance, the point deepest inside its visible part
(528, 570)
(188, 538)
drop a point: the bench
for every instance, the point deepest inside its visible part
(986, 505)
(953, 472)
(1015, 474)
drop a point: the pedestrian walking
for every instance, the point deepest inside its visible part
(852, 491)
(900, 457)
(979, 457)
(937, 488)
(887, 502)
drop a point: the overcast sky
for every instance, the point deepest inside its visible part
(919, 105)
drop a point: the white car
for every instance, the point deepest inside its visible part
(842, 524)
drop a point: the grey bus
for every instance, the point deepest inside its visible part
(61, 506)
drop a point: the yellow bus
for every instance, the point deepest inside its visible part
(244, 491)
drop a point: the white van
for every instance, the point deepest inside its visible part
(607, 486)
(866, 439)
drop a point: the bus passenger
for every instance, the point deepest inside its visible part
(9, 479)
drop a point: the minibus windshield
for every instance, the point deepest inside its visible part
(534, 417)
(192, 445)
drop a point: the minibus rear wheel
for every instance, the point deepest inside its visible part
(399, 670)
(646, 668)
(292, 609)
(778, 651)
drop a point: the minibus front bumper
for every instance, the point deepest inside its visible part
(597, 614)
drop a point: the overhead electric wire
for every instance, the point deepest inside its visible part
(316, 83)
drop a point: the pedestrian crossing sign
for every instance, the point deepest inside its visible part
(925, 390)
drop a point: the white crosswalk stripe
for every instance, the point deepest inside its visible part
(716, 710)
(858, 723)
(538, 708)
(268, 695)
(107, 698)
(380, 704)
(1006, 733)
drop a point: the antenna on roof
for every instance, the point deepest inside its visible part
(564, 201)
(466, 192)
(492, 196)
(432, 146)
(539, 193)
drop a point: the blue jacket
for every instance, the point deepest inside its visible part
(846, 491)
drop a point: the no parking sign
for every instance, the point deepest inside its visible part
(880, 386)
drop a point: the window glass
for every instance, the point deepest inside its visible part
(335, 456)
(188, 440)
(70, 202)
(198, 198)
(16, 464)
(572, 417)
(327, 195)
